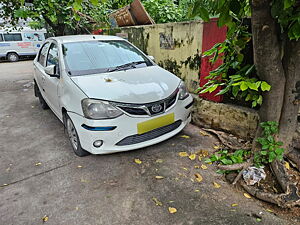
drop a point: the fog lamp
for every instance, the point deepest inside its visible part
(98, 143)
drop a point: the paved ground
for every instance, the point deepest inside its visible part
(109, 189)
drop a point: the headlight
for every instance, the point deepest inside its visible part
(96, 109)
(183, 92)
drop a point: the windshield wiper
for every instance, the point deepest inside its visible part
(124, 66)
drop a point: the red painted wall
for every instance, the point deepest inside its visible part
(212, 34)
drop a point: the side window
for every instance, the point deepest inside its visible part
(12, 37)
(52, 58)
(43, 53)
(1, 38)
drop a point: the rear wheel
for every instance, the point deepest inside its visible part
(73, 137)
(12, 57)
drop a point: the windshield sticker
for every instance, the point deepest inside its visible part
(33, 37)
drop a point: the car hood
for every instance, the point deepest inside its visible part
(139, 85)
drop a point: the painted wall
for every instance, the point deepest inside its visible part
(175, 46)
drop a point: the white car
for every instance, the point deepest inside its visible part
(110, 96)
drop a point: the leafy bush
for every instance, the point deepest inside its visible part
(163, 11)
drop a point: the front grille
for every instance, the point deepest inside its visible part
(150, 109)
(138, 138)
(133, 111)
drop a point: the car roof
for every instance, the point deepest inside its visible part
(79, 38)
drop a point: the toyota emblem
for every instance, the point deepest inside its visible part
(156, 108)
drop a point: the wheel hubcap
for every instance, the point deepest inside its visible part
(13, 57)
(72, 134)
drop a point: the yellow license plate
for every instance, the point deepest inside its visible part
(155, 123)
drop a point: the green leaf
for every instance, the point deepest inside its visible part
(235, 6)
(288, 3)
(226, 161)
(94, 2)
(213, 88)
(254, 104)
(272, 156)
(264, 147)
(243, 86)
(248, 97)
(279, 151)
(203, 13)
(249, 70)
(264, 152)
(265, 86)
(259, 100)
(235, 91)
(224, 17)
(252, 86)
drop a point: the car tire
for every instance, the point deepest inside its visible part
(37, 92)
(12, 57)
(73, 137)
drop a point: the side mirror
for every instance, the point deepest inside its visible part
(51, 71)
(151, 57)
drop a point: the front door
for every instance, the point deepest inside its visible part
(51, 83)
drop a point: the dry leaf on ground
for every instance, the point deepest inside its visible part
(287, 165)
(199, 178)
(185, 136)
(137, 161)
(216, 185)
(172, 210)
(203, 133)
(196, 167)
(159, 177)
(38, 164)
(157, 202)
(183, 154)
(45, 218)
(159, 161)
(79, 166)
(203, 167)
(247, 195)
(234, 204)
(192, 157)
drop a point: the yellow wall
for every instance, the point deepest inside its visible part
(185, 39)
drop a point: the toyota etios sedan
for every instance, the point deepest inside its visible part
(110, 96)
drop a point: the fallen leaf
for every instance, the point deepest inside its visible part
(157, 202)
(196, 167)
(45, 218)
(234, 204)
(38, 164)
(258, 219)
(186, 169)
(247, 195)
(216, 147)
(192, 157)
(108, 80)
(32, 106)
(183, 154)
(216, 185)
(176, 178)
(199, 178)
(203, 133)
(185, 136)
(203, 167)
(200, 158)
(197, 190)
(172, 210)
(76, 208)
(159, 161)
(79, 166)
(287, 165)
(159, 177)
(84, 181)
(137, 161)
(3, 185)
(173, 144)
(171, 201)
(209, 163)
(269, 210)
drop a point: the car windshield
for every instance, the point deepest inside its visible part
(90, 57)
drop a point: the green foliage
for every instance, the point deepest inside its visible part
(270, 148)
(228, 158)
(163, 11)
(234, 75)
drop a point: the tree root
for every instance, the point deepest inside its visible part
(229, 140)
(238, 166)
(294, 156)
(287, 200)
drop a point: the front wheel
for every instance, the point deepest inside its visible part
(12, 57)
(74, 139)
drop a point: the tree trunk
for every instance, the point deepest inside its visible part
(288, 120)
(267, 60)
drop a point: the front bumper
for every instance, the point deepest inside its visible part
(126, 127)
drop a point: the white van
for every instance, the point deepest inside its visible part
(20, 43)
